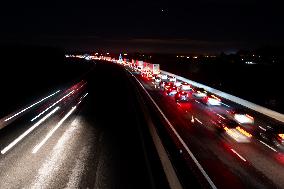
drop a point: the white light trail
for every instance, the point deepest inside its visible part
(52, 106)
(12, 144)
(242, 158)
(23, 110)
(37, 147)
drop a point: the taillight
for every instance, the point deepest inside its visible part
(281, 136)
(244, 132)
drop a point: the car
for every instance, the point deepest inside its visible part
(177, 84)
(164, 84)
(181, 96)
(164, 77)
(211, 100)
(225, 124)
(170, 90)
(241, 116)
(273, 134)
(172, 79)
(184, 86)
(157, 80)
(199, 93)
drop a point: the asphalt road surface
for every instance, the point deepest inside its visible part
(226, 162)
(90, 135)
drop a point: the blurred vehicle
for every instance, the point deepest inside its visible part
(241, 116)
(164, 77)
(163, 84)
(199, 93)
(181, 96)
(224, 124)
(171, 89)
(185, 87)
(211, 100)
(273, 134)
(157, 79)
(172, 79)
(177, 83)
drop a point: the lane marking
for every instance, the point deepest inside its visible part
(25, 109)
(268, 146)
(37, 147)
(52, 106)
(221, 116)
(262, 128)
(198, 121)
(12, 144)
(180, 139)
(225, 104)
(197, 101)
(242, 158)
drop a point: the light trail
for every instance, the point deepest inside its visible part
(52, 106)
(12, 144)
(37, 147)
(25, 109)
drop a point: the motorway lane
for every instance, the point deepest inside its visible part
(262, 167)
(101, 145)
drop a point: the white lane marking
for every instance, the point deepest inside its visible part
(180, 139)
(268, 146)
(11, 145)
(198, 121)
(242, 158)
(225, 104)
(51, 106)
(25, 109)
(262, 128)
(221, 116)
(37, 147)
(197, 101)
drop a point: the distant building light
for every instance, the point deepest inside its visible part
(195, 57)
(125, 54)
(107, 53)
(187, 57)
(177, 56)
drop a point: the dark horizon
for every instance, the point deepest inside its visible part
(209, 26)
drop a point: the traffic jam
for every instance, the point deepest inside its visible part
(236, 123)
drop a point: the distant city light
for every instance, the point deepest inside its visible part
(195, 57)
(125, 54)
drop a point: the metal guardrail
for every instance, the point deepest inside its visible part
(271, 113)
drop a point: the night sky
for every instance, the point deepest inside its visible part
(144, 26)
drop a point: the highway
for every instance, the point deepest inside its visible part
(116, 129)
(88, 135)
(226, 163)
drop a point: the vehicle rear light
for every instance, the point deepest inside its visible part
(244, 132)
(216, 97)
(281, 136)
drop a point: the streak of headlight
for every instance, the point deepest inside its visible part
(242, 158)
(51, 106)
(12, 144)
(31, 106)
(37, 147)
